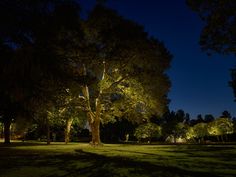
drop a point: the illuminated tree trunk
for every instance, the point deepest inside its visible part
(93, 115)
(67, 130)
(7, 132)
(95, 128)
(93, 118)
(95, 125)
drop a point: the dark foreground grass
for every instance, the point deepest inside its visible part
(78, 160)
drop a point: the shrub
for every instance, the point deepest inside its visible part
(147, 132)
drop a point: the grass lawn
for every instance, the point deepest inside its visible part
(77, 159)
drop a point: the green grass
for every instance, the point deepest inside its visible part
(77, 159)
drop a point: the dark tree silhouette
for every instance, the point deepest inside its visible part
(199, 118)
(208, 118)
(173, 123)
(226, 114)
(219, 33)
(31, 70)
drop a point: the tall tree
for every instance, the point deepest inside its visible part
(123, 69)
(32, 72)
(219, 33)
(174, 124)
(115, 61)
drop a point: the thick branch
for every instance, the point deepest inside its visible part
(116, 83)
(85, 91)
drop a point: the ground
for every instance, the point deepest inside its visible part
(111, 160)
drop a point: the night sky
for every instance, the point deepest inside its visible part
(199, 82)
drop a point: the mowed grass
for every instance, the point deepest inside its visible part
(78, 160)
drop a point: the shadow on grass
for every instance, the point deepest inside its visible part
(17, 144)
(83, 163)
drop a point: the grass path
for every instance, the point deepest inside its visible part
(78, 160)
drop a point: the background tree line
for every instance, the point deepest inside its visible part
(172, 127)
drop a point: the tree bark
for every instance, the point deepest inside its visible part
(67, 130)
(48, 132)
(7, 132)
(94, 115)
(95, 128)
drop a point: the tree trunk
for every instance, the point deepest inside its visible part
(93, 118)
(7, 132)
(48, 132)
(95, 128)
(67, 130)
(94, 115)
(174, 139)
(202, 140)
(222, 138)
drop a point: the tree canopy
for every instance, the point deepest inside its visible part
(110, 64)
(219, 32)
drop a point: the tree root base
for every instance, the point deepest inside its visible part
(95, 144)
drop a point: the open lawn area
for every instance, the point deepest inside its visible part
(78, 159)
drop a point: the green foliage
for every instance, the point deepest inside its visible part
(55, 51)
(174, 124)
(220, 126)
(198, 131)
(180, 130)
(190, 134)
(132, 64)
(234, 124)
(147, 131)
(34, 75)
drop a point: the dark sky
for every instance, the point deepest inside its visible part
(199, 82)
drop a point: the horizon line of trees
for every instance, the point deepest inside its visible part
(172, 127)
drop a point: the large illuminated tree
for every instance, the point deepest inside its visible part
(123, 69)
(120, 69)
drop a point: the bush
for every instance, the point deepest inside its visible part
(147, 132)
